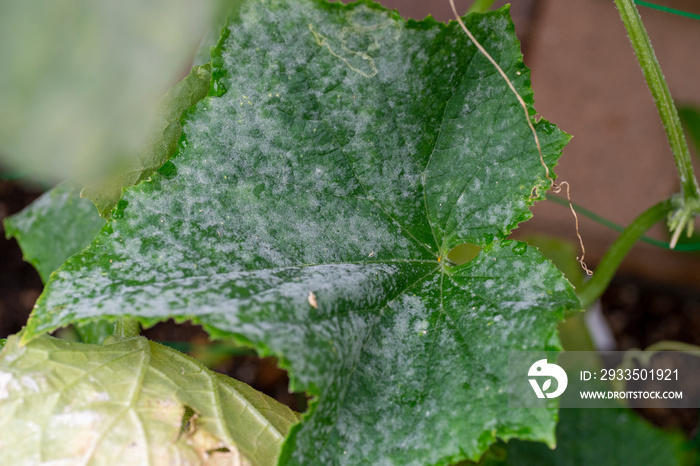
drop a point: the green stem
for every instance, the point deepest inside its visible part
(127, 327)
(480, 6)
(662, 97)
(594, 288)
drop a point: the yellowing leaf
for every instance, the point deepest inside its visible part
(131, 402)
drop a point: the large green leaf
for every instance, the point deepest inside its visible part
(54, 227)
(601, 437)
(342, 154)
(132, 402)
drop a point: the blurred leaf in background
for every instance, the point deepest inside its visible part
(54, 227)
(690, 117)
(81, 79)
(166, 130)
(601, 437)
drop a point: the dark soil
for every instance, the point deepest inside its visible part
(20, 284)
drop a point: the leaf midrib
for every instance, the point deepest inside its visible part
(133, 397)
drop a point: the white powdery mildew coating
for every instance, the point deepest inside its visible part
(309, 168)
(79, 419)
(11, 385)
(485, 136)
(269, 306)
(403, 339)
(458, 356)
(263, 183)
(5, 380)
(412, 404)
(507, 298)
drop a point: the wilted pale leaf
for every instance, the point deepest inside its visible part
(131, 402)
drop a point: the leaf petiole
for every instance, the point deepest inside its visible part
(127, 327)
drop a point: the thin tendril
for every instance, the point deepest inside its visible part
(556, 188)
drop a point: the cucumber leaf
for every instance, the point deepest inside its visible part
(342, 153)
(51, 229)
(131, 399)
(54, 227)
